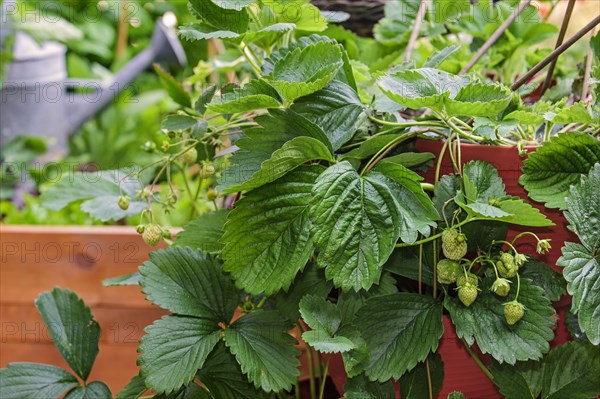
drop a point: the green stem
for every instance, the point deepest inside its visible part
(429, 384)
(507, 243)
(407, 124)
(324, 379)
(250, 58)
(385, 149)
(462, 123)
(518, 287)
(187, 186)
(435, 237)
(523, 234)
(478, 361)
(262, 302)
(427, 186)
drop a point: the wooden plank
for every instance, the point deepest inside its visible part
(23, 324)
(72, 257)
(115, 364)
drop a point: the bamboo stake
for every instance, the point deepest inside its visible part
(414, 35)
(495, 36)
(559, 41)
(558, 51)
(587, 71)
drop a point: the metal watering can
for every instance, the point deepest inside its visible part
(38, 99)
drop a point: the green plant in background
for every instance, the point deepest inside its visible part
(320, 221)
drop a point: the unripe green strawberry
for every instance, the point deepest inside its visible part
(501, 287)
(190, 156)
(208, 169)
(467, 294)
(463, 280)
(448, 270)
(123, 202)
(507, 259)
(513, 312)
(454, 244)
(211, 194)
(506, 271)
(152, 234)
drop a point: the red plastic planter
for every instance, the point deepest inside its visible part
(508, 162)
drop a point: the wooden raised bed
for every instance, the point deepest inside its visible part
(34, 259)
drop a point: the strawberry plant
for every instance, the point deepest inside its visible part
(324, 229)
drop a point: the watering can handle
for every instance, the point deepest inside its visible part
(164, 48)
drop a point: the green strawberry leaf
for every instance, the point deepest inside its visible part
(234, 20)
(304, 71)
(549, 172)
(522, 380)
(292, 154)
(409, 327)
(205, 98)
(100, 193)
(336, 108)
(173, 87)
(32, 380)
(582, 272)
(482, 182)
(135, 388)
(222, 375)
(173, 350)
(456, 395)
(484, 323)
(478, 99)
(311, 281)
(122, 281)
(257, 94)
(178, 122)
(583, 210)
(188, 282)
(324, 319)
(436, 59)
(357, 220)
(360, 387)
(352, 226)
(371, 146)
(577, 113)
(582, 261)
(320, 314)
(93, 390)
(264, 350)
(269, 34)
(419, 88)
(203, 233)
(259, 144)
(72, 328)
(345, 74)
(191, 391)
(572, 371)
(509, 210)
(267, 236)
(412, 160)
(233, 4)
(198, 31)
(415, 209)
(415, 383)
(541, 274)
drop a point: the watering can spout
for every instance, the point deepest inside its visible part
(164, 49)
